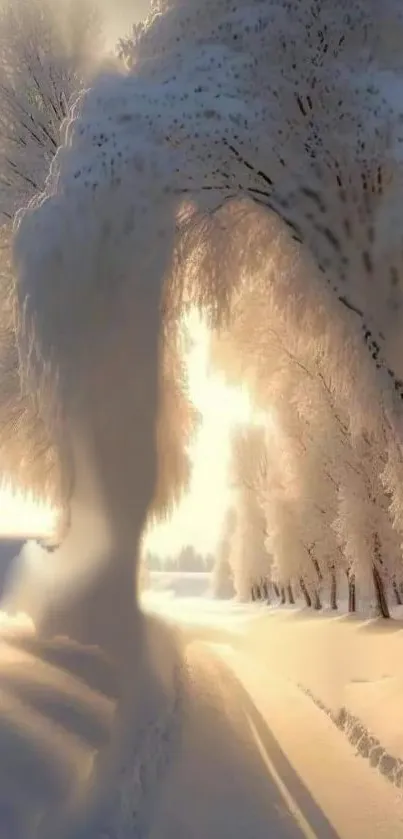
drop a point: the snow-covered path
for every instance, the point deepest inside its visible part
(264, 760)
(330, 791)
(215, 739)
(219, 786)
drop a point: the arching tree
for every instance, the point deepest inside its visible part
(287, 175)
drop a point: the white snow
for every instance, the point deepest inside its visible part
(344, 661)
(223, 743)
(257, 658)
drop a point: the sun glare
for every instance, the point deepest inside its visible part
(198, 519)
(20, 515)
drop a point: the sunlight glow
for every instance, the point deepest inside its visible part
(198, 519)
(20, 515)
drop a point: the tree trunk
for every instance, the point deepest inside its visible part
(380, 593)
(352, 595)
(282, 595)
(253, 595)
(397, 594)
(305, 593)
(317, 605)
(265, 590)
(276, 590)
(333, 590)
(315, 562)
(290, 594)
(317, 568)
(316, 602)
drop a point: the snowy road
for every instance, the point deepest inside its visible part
(215, 740)
(265, 761)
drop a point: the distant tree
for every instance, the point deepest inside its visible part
(222, 578)
(250, 561)
(189, 560)
(153, 561)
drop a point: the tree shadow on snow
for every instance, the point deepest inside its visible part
(380, 626)
(284, 775)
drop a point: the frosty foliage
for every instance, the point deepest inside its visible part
(248, 160)
(329, 506)
(248, 557)
(176, 423)
(46, 51)
(222, 584)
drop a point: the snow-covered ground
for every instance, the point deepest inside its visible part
(343, 661)
(217, 737)
(181, 584)
(266, 660)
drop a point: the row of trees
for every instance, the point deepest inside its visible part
(317, 478)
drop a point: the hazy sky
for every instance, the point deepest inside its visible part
(120, 14)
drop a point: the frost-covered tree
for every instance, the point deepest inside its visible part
(47, 50)
(250, 562)
(222, 578)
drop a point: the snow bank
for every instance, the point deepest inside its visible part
(342, 797)
(342, 662)
(379, 706)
